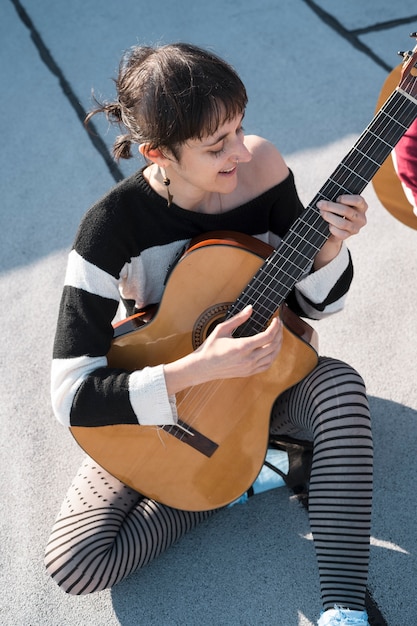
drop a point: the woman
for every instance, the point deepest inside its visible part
(184, 107)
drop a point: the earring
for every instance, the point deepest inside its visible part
(166, 181)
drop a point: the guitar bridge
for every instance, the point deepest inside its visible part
(187, 434)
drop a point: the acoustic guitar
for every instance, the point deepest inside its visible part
(386, 183)
(217, 448)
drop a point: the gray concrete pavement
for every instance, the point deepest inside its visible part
(313, 71)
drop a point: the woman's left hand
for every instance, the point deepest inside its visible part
(345, 217)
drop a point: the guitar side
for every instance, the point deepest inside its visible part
(218, 449)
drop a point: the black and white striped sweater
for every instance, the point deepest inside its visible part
(124, 246)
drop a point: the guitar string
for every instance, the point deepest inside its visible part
(196, 398)
(350, 175)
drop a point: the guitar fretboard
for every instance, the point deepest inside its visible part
(271, 285)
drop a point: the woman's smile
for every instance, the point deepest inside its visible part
(229, 172)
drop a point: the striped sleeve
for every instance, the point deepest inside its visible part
(84, 390)
(323, 292)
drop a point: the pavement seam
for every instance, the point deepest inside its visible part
(69, 93)
(352, 35)
(384, 25)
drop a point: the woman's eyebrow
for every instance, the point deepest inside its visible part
(217, 140)
(213, 143)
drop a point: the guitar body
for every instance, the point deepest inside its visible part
(218, 450)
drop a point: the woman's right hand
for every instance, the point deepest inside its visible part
(224, 356)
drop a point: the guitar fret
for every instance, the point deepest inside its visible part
(369, 166)
(348, 176)
(371, 145)
(304, 229)
(290, 250)
(407, 95)
(388, 144)
(395, 122)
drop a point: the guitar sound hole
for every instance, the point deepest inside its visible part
(207, 322)
(213, 325)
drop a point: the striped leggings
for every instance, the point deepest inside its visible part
(105, 530)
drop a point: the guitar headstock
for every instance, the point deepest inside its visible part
(408, 82)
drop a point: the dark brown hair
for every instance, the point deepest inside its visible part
(169, 94)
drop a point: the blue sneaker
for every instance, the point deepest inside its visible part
(343, 617)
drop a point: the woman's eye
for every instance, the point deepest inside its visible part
(239, 131)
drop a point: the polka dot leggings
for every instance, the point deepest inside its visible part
(105, 530)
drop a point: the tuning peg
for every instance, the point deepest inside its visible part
(414, 35)
(403, 54)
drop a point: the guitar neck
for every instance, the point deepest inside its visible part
(277, 276)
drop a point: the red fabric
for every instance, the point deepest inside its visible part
(406, 157)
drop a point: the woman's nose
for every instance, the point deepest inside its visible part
(242, 154)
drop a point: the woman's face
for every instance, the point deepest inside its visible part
(210, 164)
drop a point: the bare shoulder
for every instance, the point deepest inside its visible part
(267, 166)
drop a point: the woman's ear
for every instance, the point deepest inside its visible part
(155, 155)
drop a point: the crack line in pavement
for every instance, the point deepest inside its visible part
(385, 25)
(53, 67)
(351, 35)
